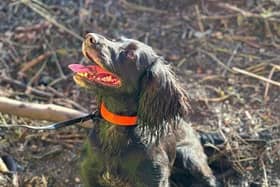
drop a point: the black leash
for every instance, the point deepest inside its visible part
(93, 116)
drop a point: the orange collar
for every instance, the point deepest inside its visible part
(117, 119)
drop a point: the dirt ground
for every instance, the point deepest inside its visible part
(210, 42)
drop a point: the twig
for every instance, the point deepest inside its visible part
(215, 17)
(181, 62)
(59, 79)
(217, 99)
(256, 76)
(216, 60)
(276, 66)
(267, 84)
(266, 16)
(27, 65)
(245, 159)
(224, 50)
(256, 68)
(64, 135)
(56, 61)
(141, 8)
(28, 86)
(42, 12)
(199, 20)
(264, 174)
(210, 77)
(237, 165)
(54, 151)
(249, 40)
(231, 58)
(69, 103)
(76, 105)
(21, 85)
(55, 92)
(239, 10)
(25, 46)
(3, 120)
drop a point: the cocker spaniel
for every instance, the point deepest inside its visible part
(143, 138)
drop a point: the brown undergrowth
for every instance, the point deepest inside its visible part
(227, 54)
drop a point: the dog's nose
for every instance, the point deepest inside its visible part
(91, 39)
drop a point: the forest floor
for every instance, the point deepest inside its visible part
(216, 45)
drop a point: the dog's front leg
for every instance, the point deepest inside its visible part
(161, 165)
(91, 167)
(163, 178)
(193, 159)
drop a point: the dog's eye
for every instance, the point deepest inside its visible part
(130, 55)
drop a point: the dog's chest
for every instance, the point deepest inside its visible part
(118, 157)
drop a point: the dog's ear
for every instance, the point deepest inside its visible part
(162, 99)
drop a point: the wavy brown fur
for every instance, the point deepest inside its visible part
(162, 99)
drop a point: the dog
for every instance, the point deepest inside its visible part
(143, 138)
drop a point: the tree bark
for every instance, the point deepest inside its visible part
(49, 112)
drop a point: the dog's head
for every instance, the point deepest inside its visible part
(118, 65)
(131, 67)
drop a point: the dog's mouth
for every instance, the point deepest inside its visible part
(96, 74)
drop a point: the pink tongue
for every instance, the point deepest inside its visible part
(78, 68)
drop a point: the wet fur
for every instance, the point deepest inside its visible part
(163, 146)
(161, 93)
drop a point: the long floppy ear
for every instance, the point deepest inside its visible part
(162, 99)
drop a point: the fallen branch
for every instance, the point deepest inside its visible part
(256, 76)
(49, 112)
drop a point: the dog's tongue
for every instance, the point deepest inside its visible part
(79, 68)
(96, 74)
